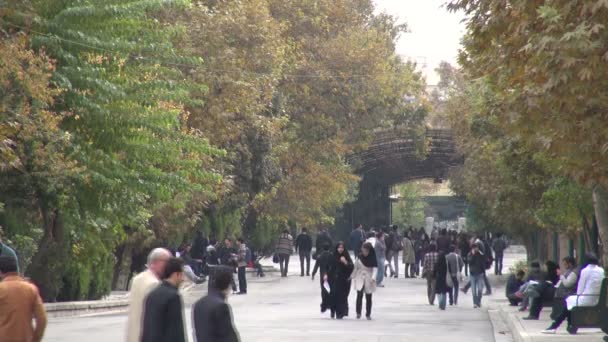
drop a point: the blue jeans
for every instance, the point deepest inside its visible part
(477, 288)
(380, 274)
(442, 299)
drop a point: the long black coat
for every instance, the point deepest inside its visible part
(163, 315)
(441, 270)
(339, 279)
(212, 320)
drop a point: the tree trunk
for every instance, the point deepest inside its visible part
(48, 264)
(122, 269)
(600, 205)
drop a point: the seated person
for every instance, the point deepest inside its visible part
(566, 285)
(535, 276)
(545, 290)
(587, 293)
(514, 282)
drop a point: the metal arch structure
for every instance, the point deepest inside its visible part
(393, 157)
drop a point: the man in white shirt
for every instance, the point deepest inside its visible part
(142, 284)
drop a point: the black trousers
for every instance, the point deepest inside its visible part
(284, 264)
(368, 303)
(453, 293)
(498, 264)
(305, 257)
(564, 315)
(242, 279)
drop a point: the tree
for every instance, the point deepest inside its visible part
(409, 211)
(124, 87)
(546, 61)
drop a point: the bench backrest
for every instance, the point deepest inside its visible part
(603, 296)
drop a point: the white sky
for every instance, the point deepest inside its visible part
(434, 33)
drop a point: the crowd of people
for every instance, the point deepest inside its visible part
(564, 288)
(156, 312)
(443, 258)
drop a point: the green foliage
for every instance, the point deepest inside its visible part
(545, 62)
(123, 137)
(409, 211)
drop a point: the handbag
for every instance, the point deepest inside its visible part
(458, 270)
(275, 258)
(448, 276)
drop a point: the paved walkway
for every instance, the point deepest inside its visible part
(287, 309)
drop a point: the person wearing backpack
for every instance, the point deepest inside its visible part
(393, 246)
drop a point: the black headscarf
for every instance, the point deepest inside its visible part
(344, 253)
(370, 260)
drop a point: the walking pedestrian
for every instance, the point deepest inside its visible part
(340, 280)
(228, 257)
(212, 316)
(440, 273)
(409, 256)
(141, 286)
(465, 248)
(380, 249)
(498, 245)
(242, 265)
(20, 305)
(477, 269)
(284, 250)
(443, 241)
(303, 248)
(428, 272)
(455, 265)
(324, 264)
(356, 239)
(322, 239)
(393, 249)
(163, 311)
(364, 278)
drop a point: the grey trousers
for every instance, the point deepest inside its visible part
(393, 262)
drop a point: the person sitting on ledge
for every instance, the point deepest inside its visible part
(587, 293)
(514, 282)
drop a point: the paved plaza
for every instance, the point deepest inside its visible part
(287, 309)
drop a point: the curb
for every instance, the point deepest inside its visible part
(70, 309)
(517, 330)
(502, 333)
(95, 307)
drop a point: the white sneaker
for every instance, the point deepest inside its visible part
(549, 331)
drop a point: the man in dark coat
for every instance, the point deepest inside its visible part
(356, 239)
(303, 247)
(323, 239)
(212, 317)
(163, 311)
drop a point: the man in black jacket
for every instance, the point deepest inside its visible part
(212, 317)
(477, 269)
(163, 311)
(303, 247)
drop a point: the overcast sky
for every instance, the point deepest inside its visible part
(434, 32)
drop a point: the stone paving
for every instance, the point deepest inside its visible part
(287, 309)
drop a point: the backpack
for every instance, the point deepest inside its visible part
(397, 244)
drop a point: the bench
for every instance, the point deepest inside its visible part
(592, 316)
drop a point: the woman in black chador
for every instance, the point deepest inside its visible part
(340, 281)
